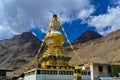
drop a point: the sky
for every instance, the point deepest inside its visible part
(77, 16)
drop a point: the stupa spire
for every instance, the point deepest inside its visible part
(55, 56)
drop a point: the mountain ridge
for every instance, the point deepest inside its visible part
(103, 49)
(19, 51)
(87, 36)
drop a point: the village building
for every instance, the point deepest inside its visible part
(5, 73)
(97, 71)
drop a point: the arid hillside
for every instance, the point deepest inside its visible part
(104, 49)
(19, 51)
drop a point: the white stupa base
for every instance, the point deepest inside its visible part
(49, 74)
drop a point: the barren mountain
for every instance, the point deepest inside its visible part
(105, 49)
(20, 50)
(87, 36)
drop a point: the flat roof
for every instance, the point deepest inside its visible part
(6, 69)
(101, 63)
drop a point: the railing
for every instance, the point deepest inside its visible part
(50, 71)
(116, 78)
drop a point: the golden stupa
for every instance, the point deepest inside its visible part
(54, 56)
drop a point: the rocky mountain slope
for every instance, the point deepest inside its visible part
(20, 50)
(105, 49)
(87, 36)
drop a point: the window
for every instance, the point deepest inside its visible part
(100, 69)
(78, 71)
(38, 72)
(2, 73)
(88, 73)
(75, 71)
(109, 69)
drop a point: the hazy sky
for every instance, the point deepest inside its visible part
(17, 16)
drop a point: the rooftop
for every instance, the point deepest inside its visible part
(6, 69)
